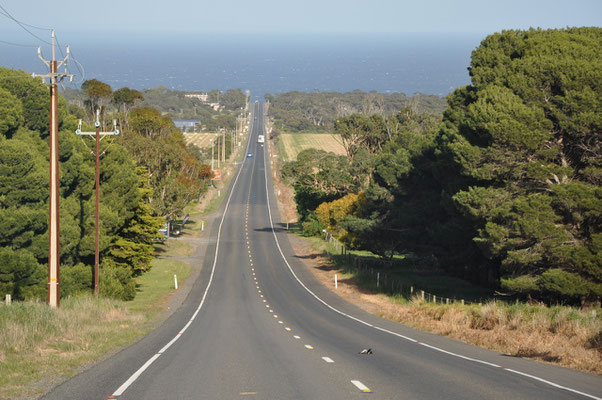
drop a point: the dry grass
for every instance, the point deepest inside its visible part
(559, 335)
(202, 140)
(294, 143)
(41, 346)
(36, 341)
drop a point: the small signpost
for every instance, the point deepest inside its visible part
(217, 175)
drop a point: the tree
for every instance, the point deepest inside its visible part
(124, 99)
(12, 113)
(525, 137)
(148, 121)
(99, 94)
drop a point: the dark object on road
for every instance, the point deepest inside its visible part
(366, 351)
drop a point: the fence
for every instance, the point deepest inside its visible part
(370, 272)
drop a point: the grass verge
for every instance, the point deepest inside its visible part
(560, 335)
(38, 344)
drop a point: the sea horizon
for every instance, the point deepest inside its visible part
(433, 63)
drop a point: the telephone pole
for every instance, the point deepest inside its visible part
(224, 146)
(97, 134)
(54, 296)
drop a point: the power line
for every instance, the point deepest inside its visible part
(26, 24)
(79, 66)
(22, 25)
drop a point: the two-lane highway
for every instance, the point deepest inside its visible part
(257, 325)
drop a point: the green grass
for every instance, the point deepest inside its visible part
(174, 248)
(153, 287)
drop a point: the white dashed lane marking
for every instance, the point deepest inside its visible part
(361, 386)
(327, 359)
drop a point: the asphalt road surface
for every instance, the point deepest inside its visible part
(257, 325)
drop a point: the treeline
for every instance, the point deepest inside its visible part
(503, 189)
(174, 104)
(318, 111)
(147, 175)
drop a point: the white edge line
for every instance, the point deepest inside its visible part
(386, 330)
(136, 374)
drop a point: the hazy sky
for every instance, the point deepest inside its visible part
(296, 16)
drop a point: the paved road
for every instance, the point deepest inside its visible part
(256, 325)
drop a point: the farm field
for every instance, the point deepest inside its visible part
(292, 144)
(202, 140)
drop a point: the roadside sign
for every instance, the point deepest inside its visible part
(217, 175)
(164, 231)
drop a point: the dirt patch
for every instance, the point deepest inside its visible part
(285, 195)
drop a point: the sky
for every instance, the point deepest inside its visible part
(108, 17)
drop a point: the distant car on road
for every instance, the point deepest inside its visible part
(249, 155)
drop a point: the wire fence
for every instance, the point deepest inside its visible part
(370, 272)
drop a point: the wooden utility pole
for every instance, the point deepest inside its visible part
(97, 135)
(54, 296)
(218, 149)
(224, 146)
(212, 151)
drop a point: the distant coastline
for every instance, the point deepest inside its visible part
(412, 63)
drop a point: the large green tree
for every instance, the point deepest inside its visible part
(525, 136)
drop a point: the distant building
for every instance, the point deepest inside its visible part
(188, 125)
(204, 97)
(201, 96)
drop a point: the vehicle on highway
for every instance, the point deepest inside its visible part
(261, 139)
(249, 155)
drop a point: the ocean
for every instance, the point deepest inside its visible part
(432, 63)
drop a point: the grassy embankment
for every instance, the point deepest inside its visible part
(37, 342)
(562, 335)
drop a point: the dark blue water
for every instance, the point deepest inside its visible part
(408, 63)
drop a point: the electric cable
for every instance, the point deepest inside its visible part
(22, 25)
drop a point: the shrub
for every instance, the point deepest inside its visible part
(117, 282)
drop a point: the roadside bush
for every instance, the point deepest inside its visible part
(312, 226)
(117, 282)
(76, 279)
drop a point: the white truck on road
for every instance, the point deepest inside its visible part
(261, 139)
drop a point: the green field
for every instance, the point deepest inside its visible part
(292, 144)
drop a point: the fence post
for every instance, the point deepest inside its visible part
(422, 295)
(447, 300)
(434, 299)
(411, 290)
(378, 279)
(336, 283)
(8, 300)
(462, 301)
